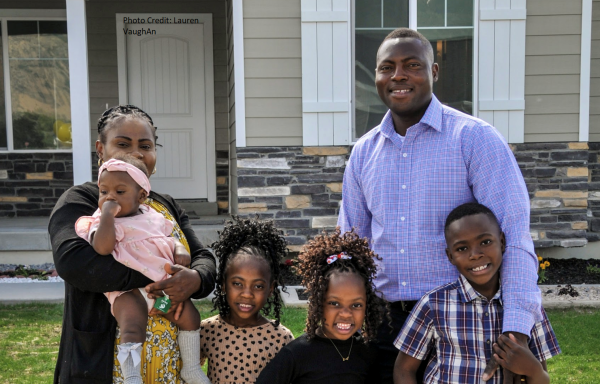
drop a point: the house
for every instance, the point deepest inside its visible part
(258, 102)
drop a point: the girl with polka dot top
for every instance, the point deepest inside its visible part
(240, 341)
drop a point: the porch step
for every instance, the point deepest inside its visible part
(198, 208)
(26, 240)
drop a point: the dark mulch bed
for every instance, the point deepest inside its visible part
(573, 271)
(288, 276)
(560, 271)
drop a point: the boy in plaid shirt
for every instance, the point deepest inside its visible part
(458, 326)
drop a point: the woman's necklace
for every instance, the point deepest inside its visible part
(336, 348)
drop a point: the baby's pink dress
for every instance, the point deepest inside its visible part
(143, 242)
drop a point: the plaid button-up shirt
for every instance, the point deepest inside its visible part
(461, 326)
(398, 194)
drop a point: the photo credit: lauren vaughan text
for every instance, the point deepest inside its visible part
(161, 20)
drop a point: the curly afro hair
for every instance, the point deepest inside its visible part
(251, 237)
(316, 274)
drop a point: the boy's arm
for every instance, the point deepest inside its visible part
(518, 359)
(105, 238)
(405, 369)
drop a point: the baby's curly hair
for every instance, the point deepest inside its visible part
(316, 273)
(253, 237)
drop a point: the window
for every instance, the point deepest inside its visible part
(37, 77)
(449, 27)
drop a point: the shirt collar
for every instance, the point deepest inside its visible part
(431, 118)
(468, 293)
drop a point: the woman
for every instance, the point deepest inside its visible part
(87, 352)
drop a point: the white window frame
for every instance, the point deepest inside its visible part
(22, 14)
(412, 23)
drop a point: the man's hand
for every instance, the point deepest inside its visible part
(181, 255)
(180, 286)
(519, 359)
(111, 207)
(492, 364)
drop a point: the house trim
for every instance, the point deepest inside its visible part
(239, 73)
(585, 73)
(38, 14)
(80, 90)
(22, 14)
(412, 14)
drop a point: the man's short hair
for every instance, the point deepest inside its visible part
(469, 209)
(399, 33)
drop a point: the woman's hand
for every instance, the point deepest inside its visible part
(180, 286)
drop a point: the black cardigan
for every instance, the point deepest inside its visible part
(88, 330)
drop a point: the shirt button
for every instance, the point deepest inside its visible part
(402, 251)
(404, 155)
(402, 218)
(487, 314)
(488, 341)
(404, 187)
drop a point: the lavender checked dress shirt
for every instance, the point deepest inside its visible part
(398, 194)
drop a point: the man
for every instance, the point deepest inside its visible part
(408, 173)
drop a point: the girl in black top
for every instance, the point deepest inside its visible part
(343, 315)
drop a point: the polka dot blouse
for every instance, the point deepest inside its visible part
(237, 355)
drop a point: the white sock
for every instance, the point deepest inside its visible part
(129, 357)
(189, 346)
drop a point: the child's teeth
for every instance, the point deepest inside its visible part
(480, 268)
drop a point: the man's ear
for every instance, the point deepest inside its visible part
(434, 71)
(503, 241)
(449, 255)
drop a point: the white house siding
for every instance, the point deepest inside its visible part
(102, 54)
(552, 68)
(595, 74)
(273, 71)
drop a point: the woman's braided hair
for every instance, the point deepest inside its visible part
(316, 274)
(253, 237)
(119, 113)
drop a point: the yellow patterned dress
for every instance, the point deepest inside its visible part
(160, 355)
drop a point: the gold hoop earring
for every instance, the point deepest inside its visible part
(153, 172)
(100, 161)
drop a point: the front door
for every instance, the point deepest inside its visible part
(169, 75)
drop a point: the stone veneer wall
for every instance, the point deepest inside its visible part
(558, 180)
(299, 187)
(31, 183)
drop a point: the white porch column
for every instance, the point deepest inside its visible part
(80, 91)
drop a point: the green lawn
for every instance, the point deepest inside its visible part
(30, 333)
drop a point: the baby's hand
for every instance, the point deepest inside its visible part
(181, 255)
(516, 358)
(111, 208)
